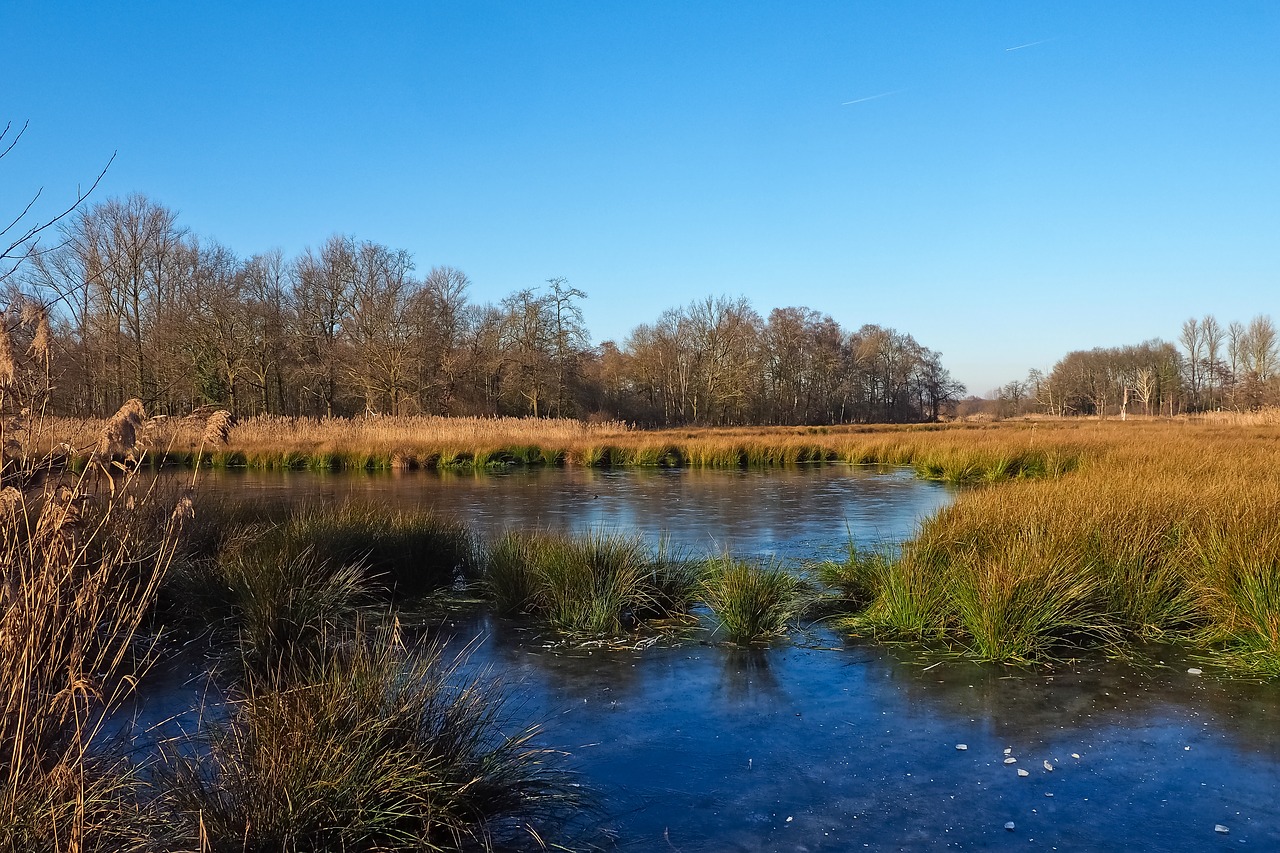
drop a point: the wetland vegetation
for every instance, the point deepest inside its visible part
(1068, 538)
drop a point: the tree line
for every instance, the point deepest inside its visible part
(1209, 367)
(141, 307)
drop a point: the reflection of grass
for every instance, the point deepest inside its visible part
(753, 603)
(369, 748)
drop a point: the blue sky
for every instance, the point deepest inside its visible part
(1005, 181)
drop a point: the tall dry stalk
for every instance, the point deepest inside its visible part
(81, 571)
(81, 567)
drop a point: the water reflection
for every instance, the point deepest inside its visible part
(714, 748)
(801, 512)
(747, 680)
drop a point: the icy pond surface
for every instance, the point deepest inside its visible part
(833, 745)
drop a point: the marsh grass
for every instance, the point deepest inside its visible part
(1241, 593)
(909, 599)
(409, 552)
(592, 584)
(1018, 604)
(674, 578)
(858, 579)
(100, 805)
(371, 747)
(957, 454)
(1160, 532)
(753, 603)
(597, 584)
(281, 611)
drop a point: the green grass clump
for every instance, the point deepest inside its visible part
(909, 597)
(410, 552)
(597, 584)
(508, 572)
(753, 603)
(372, 748)
(1241, 596)
(592, 584)
(674, 580)
(1015, 605)
(281, 610)
(857, 579)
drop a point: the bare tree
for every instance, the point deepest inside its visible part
(323, 294)
(1261, 348)
(570, 339)
(1211, 333)
(1237, 355)
(528, 344)
(118, 275)
(442, 318)
(20, 237)
(1192, 340)
(380, 330)
(266, 300)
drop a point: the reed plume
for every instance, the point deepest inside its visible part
(36, 316)
(8, 367)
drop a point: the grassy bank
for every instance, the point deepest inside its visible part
(1161, 532)
(954, 453)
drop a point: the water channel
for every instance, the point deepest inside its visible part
(826, 744)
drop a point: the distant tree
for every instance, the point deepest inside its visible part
(528, 346)
(1212, 334)
(1192, 340)
(570, 339)
(118, 279)
(1237, 357)
(380, 331)
(323, 297)
(266, 303)
(442, 316)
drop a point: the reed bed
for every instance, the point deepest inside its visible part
(956, 453)
(83, 557)
(1269, 416)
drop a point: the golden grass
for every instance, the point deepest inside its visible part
(1163, 530)
(957, 453)
(1259, 417)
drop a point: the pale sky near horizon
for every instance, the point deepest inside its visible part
(1005, 181)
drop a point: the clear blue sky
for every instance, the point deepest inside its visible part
(893, 162)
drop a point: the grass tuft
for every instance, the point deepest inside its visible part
(753, 603)
(371, 748)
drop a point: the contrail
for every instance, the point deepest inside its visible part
(1028, 44)
(871, 97)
